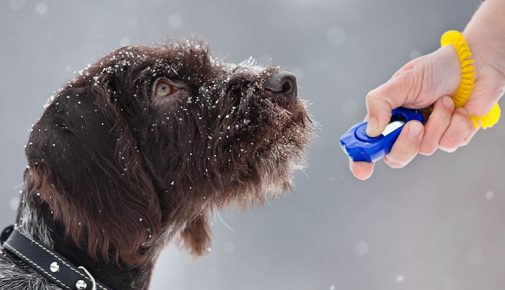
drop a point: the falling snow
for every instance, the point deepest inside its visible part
(17, 4)
(336, 36)
(14, 203)
(174, 21)
(414, 54)
(362, 248)
(41, 8)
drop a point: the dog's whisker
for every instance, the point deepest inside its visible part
(18, 186)
(218, 214)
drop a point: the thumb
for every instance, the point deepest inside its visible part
(381, 101)
(417, 84)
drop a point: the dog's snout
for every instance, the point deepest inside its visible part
(282, 83)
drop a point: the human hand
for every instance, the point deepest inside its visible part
(425, 81)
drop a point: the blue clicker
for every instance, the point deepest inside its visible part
(361, 147)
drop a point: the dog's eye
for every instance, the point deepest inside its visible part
(163, 88)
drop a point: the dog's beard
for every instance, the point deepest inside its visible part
(283, 153)
(269, 140)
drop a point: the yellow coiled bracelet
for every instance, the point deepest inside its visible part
(467, 83)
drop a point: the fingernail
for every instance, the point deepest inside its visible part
(372, 125)
(448, 103)
(415, 129)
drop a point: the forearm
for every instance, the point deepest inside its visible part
(485, 34)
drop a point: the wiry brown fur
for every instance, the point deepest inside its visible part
(116, 173)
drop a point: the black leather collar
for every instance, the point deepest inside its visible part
(48, 263)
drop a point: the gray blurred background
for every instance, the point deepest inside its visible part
(438, 224)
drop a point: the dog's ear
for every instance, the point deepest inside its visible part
(196, 235)
(84, 163)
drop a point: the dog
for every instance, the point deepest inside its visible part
(140, 147)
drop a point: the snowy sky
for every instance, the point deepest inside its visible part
(438, 224)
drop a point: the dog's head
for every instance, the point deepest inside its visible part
(148, 140)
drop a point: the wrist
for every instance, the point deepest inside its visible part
(485, 36)
(487, 57)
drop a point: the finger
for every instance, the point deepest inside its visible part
(459, 133)
(404, 89)
(361, 170)
(438, 122)
(406, 146)
(380, 102)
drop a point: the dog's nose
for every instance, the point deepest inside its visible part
(282, 83)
